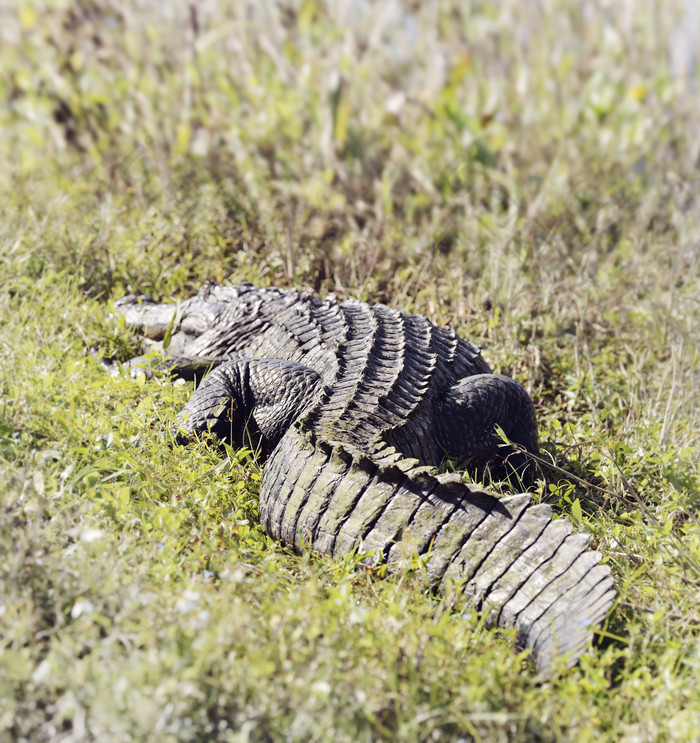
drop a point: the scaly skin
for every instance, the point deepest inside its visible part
(354, 406)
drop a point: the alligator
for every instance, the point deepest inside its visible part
(355, 407)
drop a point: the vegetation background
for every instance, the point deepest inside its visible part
(524, 171)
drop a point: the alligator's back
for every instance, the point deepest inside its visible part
(352, 402)
(384, 370)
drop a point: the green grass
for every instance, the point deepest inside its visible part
(527, 175)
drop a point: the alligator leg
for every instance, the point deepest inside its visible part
(249, 401)
(469, 412)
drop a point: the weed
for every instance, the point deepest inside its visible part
(524, 172)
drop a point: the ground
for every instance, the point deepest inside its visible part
(525, 172)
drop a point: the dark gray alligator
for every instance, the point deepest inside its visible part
(355, 405)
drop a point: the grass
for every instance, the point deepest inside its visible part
(524, 172)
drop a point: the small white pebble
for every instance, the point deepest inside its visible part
(187, 602)
(322, 688)
(91, 535)
(82, 606)
(395, 102)
(42, 672)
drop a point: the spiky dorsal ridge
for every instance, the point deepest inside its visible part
(513, 561)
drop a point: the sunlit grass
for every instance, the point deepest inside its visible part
(524, 172)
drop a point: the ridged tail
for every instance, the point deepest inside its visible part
(526, 570)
